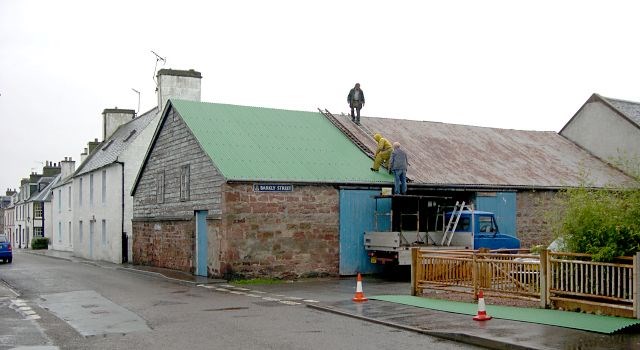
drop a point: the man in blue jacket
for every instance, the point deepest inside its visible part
(399, 163)
(356, 101)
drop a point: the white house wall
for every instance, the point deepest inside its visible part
(132, 158)
(95, 246)
(61, 215)
(604, 133)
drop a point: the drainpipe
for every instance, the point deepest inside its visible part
(126, 254)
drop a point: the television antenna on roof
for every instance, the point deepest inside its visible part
(158, 59)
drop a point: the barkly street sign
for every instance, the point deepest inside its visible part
(272, 188)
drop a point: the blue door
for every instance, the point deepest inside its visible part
(503, 204)
(201, 243)
(357, 209)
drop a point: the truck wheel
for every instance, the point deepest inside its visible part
(9, 260)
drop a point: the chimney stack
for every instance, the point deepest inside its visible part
(50, 169)
(84, 155)
(178, 84)
(113, 118)
(67, 167)
(92, 145)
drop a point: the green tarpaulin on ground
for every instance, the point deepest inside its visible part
(576, 320)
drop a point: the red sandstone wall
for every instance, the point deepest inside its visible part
(283, 235)
(167, 244)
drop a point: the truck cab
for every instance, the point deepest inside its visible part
(479, 229)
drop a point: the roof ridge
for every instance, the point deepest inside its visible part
(245, 106)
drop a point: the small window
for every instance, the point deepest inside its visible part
(107, 145)
(80, 231)
(59, 201)
(91, 189)
(59, 232)
(69, 233)
(37, 210)
(104, 186)
(69, 195)
(184, 183)
(37, 231)
(104, 233)
(80, 192)
(160, 187)
(130, 134)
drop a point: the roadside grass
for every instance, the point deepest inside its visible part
(252, 281)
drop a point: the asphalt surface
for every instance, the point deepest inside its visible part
(334, 296)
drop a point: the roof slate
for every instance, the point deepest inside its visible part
(628, 108)
(45, 194)
(116, 143)
(263, 144)
(462, 155)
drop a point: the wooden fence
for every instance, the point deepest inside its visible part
(556, 280)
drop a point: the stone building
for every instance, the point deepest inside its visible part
(513, 173)
(230, 190)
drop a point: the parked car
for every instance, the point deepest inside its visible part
(6, 254)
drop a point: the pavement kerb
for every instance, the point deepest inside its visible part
(458, 337)
(117, 267)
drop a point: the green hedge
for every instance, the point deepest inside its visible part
(40, 243)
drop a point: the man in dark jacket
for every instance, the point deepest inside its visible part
(356, 101)
(399, 163)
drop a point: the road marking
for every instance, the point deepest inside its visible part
(283, 299)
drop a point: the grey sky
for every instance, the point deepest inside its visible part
(508, 64)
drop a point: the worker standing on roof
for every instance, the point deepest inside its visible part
(356, 101)
(383, 152)
(398, 166)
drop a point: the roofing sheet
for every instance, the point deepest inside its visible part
(462, 155)
(109, 150)
(264, 144)
(628, 108)
(45, 194)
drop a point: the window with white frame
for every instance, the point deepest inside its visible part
(37, 231)
(160, 187)
(104, 233)
(184, 182)
(80, 231)
(37, 210)
(104, 186)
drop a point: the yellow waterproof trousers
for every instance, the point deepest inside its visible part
(382, 158)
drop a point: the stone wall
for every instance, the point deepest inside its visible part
(282, 235)
(533, 217)
(168, 244)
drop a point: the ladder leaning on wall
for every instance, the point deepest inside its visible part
(452, 224)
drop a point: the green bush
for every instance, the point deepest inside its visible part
(40, 243)
(602, 222)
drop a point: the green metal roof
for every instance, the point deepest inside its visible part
(264, 144)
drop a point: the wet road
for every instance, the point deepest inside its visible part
(80, 306)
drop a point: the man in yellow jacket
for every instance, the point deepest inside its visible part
(383, 152)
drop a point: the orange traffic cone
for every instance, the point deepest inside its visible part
(482, 312)
(359, 294)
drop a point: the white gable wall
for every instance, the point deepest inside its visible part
(132, 158)
(95, 245)
(604, 133)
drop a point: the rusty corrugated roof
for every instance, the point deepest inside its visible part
(462, 155)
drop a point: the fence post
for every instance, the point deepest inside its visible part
(474, 275)
(414, 270)
(543, 278)
(636, 285)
